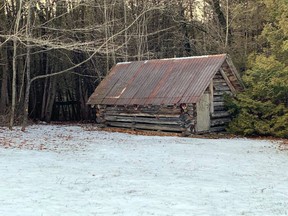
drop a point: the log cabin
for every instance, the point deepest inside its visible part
(184, 95)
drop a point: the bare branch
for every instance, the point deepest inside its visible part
(97, 50)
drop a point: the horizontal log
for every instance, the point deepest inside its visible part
(221, 88)
(219, 82)
(152, 115)
(220, 115)
(220, 103)
(173, 128)
(218, 98)
(143, 110)
(218, 93)
(120, 124)
(168, 121)
(220, 108)
(217, 129)
(221, 121)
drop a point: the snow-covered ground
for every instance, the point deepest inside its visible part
(73, 171)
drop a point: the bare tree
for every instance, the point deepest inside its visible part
(28, 65)
(4, 99)
(15, 41)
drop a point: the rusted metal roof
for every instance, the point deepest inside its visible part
(156, 82)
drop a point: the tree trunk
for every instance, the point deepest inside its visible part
(83, 100)
(227, 37)
(50, 99)
(43, 106)
(16, 28)
(222, 20)
(13, 105)
(106, 36)
(4, 100)
(125, 33)
(28, 69)
(186, 42)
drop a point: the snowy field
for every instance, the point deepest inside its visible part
(72, 171)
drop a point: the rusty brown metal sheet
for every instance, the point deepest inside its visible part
(157, 89)
(156, 82)
(130, 96)
(142, 82)
(107, 84)
(169, 90)
(183, 80)
(132, 85)
(203, 79)
(125, 77)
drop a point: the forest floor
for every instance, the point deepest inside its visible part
(77, 170)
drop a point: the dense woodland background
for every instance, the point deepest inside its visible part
(53, 53)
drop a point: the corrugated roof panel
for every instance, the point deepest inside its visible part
(162, 77)
(136, 96)
(167, 86)
(149, 78)
(115, 78)
(155, 81)
(166, 81)
(125, 78)
(107, 84)
(132, 85)
(208, 70)
(183, 82)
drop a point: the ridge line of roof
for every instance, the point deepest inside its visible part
(176, 58)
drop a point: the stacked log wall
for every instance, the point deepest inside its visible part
(220, 117)
(156, 118)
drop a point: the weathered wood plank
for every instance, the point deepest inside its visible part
(220, 115)
(233, 90)
(218, 93)
(220, 108)
(168, 121)
(152, 115)
(219, 103)
(144, 111)
(211, 91)
(221, 88)
(119, 124)
(234, 71)
(173, 128)
(160, 127)
(219, 82)
(218, 99)
(217, 129)
(221, 121)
